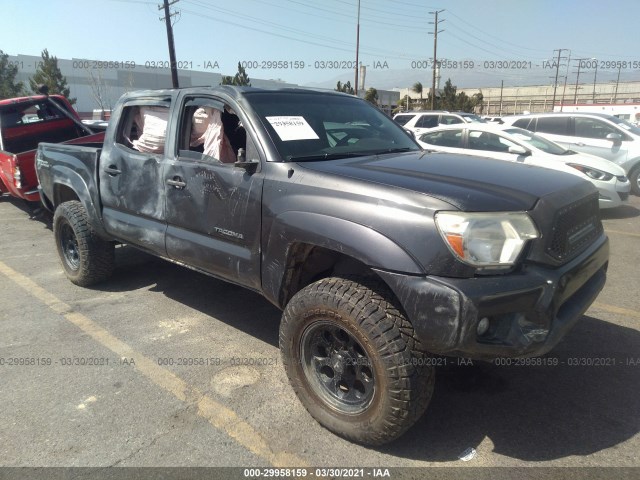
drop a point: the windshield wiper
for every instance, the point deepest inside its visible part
(336, 156)
(325, 156)
(393, 150)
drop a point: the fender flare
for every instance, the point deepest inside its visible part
(67, 177)
(354, 240)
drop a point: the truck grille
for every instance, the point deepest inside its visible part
(575, 227)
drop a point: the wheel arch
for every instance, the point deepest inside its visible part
(634, 170)
(68, 185)
(304, 247)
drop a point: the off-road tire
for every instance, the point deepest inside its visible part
(365, 310)
(86, 258)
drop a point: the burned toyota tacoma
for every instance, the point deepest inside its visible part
(380, 255)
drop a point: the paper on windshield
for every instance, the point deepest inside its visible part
(292, 128)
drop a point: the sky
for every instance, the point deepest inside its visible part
(314, 41)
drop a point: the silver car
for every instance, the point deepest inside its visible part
(518, 145)
(595, 133)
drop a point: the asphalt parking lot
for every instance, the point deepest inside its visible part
(162, 366)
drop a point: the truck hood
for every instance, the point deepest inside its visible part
(460, 180)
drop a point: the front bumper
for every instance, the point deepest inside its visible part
(528, 311)
(613, 195)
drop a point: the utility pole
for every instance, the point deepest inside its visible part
(566, 77)
(357, 48)
(172, 51)
(595, 74)
(555, 82)
(501, 87)
(435, 54)
(615, 95)
(575, 94)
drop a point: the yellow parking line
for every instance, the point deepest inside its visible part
(221, 417)
(619, 232)
(613, 309)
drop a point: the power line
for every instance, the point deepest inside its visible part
(375, 52)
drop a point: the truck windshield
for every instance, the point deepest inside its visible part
(325, 127)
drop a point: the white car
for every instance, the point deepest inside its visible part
(518, 145)
(593, 133)
(420, 122)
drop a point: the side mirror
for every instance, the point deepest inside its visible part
(519, 150)
(614, 137)
(242, 162)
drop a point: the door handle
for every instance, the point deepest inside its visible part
(177, 183)
(112, 170)
(579, 144)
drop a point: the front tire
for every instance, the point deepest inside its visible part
(86, 258)
(634, 178)
(353, 360)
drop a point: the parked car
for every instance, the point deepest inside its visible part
(518, 145)
(419, 122)
(325, 206)
(598, 134)
(25, 122)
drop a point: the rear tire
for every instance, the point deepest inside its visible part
(353, 360)
(86, 258)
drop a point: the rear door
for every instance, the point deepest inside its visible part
(555, 128)
(213, 208)
(131, 175)
(492, 145)
(444, 140)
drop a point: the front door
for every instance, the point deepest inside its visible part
(590, 137)
(213, 208)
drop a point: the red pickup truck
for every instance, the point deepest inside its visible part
(27, 121)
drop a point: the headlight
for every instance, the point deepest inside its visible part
(486, 239)
(592, 172)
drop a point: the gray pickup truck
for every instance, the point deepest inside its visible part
(383, 257)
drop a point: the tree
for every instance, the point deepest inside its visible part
(403, 105)
(48, 73)
(371, 96)
(478, 100)
(451, 100)
(345, 88)
(101, 92)
(9, 88)
(417, 88)
(240, 79)
(448, 98)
